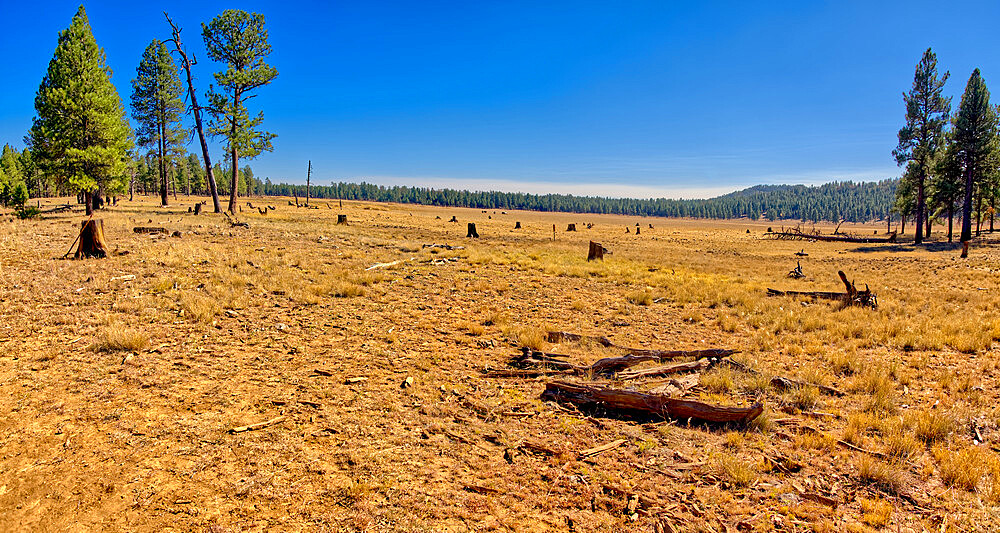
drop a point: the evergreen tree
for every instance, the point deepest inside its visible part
(975, 142)
(948, 185)
(920, 139)
(80, 136)
(157, 107)
(239, 40)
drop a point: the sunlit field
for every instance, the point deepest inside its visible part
(122, 379)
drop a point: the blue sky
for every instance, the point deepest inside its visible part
(676, 99)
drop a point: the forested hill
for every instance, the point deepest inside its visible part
(855, 202)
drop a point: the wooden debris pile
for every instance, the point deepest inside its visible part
(607, 400)
(852, 296)
(799, 234)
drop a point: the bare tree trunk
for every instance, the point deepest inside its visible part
(196, 111)
(967, 207)
(88, 202)
(951, 218)
(161, 166)
(979, 213)
(927, 217)
(308, 176)
(918, 236)
(235, 160)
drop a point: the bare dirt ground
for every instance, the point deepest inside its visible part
(122, 378)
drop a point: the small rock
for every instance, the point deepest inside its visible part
(408, 382)
(281, 327)
(231, 313)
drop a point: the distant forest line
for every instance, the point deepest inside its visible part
(834, 202)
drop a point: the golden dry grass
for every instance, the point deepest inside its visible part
(225, 327)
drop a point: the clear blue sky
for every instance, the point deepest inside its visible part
(620, 98)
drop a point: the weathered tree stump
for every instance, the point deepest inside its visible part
(596, 251)
(571, 227)
(342, 220)
(92, 243)
(517, 225)
(472, 231)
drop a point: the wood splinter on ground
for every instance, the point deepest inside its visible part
(625, 402)
(258, 425)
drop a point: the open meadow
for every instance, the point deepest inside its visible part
(127, 384)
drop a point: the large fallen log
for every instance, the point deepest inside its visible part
(852, 296)
(660, 355)
(544, 363)
(624, 402)
(793, 235)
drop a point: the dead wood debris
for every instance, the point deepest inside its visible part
(852, 296)
(258, 425)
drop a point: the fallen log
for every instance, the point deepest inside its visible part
(891, 238)
(852, 296)
(626, 402)
(552, 363)
(149, 230)
(561, 336)
(666, 370)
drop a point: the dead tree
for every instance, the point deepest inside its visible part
(796, 273)
(308, 177)
(609, 401)
(341, 220)
(92, 242)
(596, 251)
(852, 296)
(472, 231)
(517, 225)
(571, 227)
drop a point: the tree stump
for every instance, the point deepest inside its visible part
(92, 243)
(472, 231)
(637, 230)
(453, 219)
(596, 251)
(262, 210)
(517, 225)
(965, 250)
(189, 209)
(571, 227)
(627, 230)
(342, 220)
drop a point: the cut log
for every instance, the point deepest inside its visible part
(151, 230)
(624, 402)
(92, 242)
(472, 231)
(662, 355)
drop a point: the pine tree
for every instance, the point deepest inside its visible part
(157, 107)
(920, 139)
(80, 136)
(975, 142)
(239, 40)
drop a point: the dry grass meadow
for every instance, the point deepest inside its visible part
(121, 378)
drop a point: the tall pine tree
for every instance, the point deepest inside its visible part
(975, 142)
(157, 107)
(80, 136)
(239, 40)
(920, 139)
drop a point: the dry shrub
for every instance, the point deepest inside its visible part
(899, 442)
(931, 425)
(719, 379)
(844, 363)
(195, 306)
(963, 468)
(882, 475)
(737, 472)
(640, 297)
(877, 383)
(876, 512)
(803, 398)
(117, 338)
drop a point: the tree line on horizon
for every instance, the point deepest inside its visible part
(952, 162)
(835, 202)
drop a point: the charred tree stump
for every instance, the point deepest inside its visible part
(596, 251)
(472, 231)
(517, 225)
(92, 243)
(341, 220)
(625, 403)
(571, 227)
